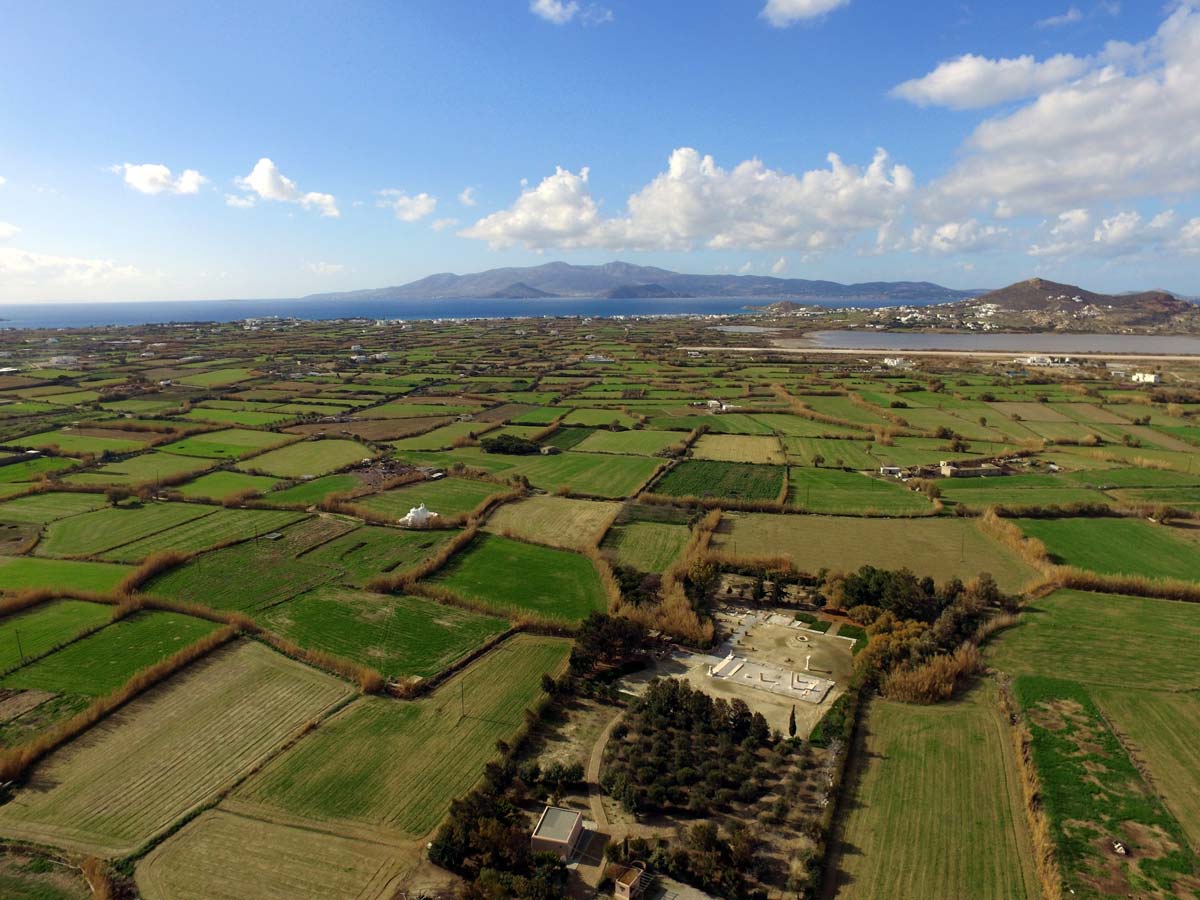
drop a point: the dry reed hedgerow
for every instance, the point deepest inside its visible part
(936, 679)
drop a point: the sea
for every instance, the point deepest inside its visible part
(93, 314)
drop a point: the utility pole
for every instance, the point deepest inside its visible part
(20, 652)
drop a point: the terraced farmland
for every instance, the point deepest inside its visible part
(267, 861)
(397, 765)
(20, 572)
(722, 480)
(35, 631)
(515, 578)
(940, 548)
(105, 660)
(308, 458)
(556, 521)
(168, 752)
(394, 635)
(937, 812)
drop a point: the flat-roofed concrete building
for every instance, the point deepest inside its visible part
(557, 831)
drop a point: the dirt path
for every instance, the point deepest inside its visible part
(595, 798)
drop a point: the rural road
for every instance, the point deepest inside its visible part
(967, 354)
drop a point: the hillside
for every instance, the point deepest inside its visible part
(1050, 302)
(621, 280)
(1039, 294)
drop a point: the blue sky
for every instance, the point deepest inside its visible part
(186, 151)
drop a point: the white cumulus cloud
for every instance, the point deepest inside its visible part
(24, 269)
(560, 12)
(1189, 237)
(324, 268)
(407, 208)
(1076, 233)
(467, 197)
(267, 182)
(240, 201)
(1070, 17)
(1126, 129)
(779, 266)
(696, 202)
(155, 178)
(970, 236)
(782, 13)
(555, 11)
(443, 224)
(7, 230)
(971, 82)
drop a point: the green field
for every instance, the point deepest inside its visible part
(1117, 546)
(1073, 745)
(216, 579)
(938, 547)
(145, 468)
(35, 631)
(396, 766)
(69, 442)
(20, 572)
(391, 634)
(598, 418)
(515, 578)
(360, 555)
(169, 752)
(266, 861)
(447, 497)
(595, 474)
(556, 521)
(1015, 492)
(208, 531)
(833, 453)
(646, 546)
(309, 458)
(851, 493)
(312, 492)
(28, 470)
(1162, 728)
(441, 438)
(637, 443)
(1105, 639)
(93, 533)
(937, 807)
(104, 661)
(229, 443)
(722, 480)
(217, 377)
(219, 485)
(38, 509)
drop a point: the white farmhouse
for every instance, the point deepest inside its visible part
(419, 517)
(1147, 377)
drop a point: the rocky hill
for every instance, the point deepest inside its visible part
(1042, 299)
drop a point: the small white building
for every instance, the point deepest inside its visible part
(1147, 377)
(419, 517)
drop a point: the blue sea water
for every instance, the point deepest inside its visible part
(83, 315)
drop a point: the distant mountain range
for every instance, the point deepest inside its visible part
(621, 280)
